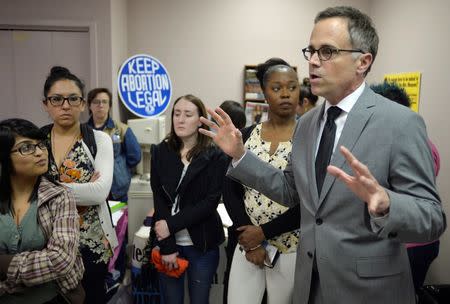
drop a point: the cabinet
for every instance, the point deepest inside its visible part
(252, 89)
(256, 108)
(140, 202)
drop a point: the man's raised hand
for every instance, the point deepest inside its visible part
(363, 184)
(223, 132)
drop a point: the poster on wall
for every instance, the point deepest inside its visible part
(410, 82)
(256, 112)
(144, 86)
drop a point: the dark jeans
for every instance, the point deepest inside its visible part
(200, 273)
(420, 259)
(94, 278)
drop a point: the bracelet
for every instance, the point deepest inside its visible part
(256, 247)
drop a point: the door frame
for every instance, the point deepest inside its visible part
(63, 26)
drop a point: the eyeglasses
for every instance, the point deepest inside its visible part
(100, 101)
(325, 52)
(29, 148)
(59, 100)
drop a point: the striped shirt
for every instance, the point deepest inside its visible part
(60, 260)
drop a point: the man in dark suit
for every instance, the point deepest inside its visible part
(357, 206)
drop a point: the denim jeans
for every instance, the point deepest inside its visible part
(200, 273)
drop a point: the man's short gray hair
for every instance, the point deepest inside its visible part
(363, 35)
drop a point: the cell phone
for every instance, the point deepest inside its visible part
(241, 249)
(272, 255)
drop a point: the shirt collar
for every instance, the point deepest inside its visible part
(349, 101)
(109, 123)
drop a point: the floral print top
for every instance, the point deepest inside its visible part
(259, 207)
(78, 168)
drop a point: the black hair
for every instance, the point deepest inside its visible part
(264, 70)
(305, 92)
(61, 73)
(9, 130)
(236, 112)
(392, 91)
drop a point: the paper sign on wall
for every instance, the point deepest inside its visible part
(410, 82)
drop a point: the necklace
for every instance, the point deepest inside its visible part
(59, 161)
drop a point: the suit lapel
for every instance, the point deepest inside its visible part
(356, 121)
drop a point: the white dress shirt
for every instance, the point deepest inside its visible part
(345, 105)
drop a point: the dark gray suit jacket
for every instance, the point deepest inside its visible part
(356, 264)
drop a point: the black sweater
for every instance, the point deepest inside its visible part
(233, 198)
(199, 194)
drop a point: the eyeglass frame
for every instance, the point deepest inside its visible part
(97, 102)
(41, 145)
(79, 98)
(333, 51)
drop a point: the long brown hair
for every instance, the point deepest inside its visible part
(203, 141)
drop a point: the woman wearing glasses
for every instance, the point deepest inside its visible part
(127, 152)
(82, 158)
(39, 257)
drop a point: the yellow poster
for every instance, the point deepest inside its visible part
(410, 82)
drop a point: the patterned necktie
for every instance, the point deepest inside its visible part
(326, 146)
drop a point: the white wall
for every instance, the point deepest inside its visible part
(205, 44)
(119, 50)
(414, 36)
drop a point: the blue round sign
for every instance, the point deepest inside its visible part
(144, 86)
